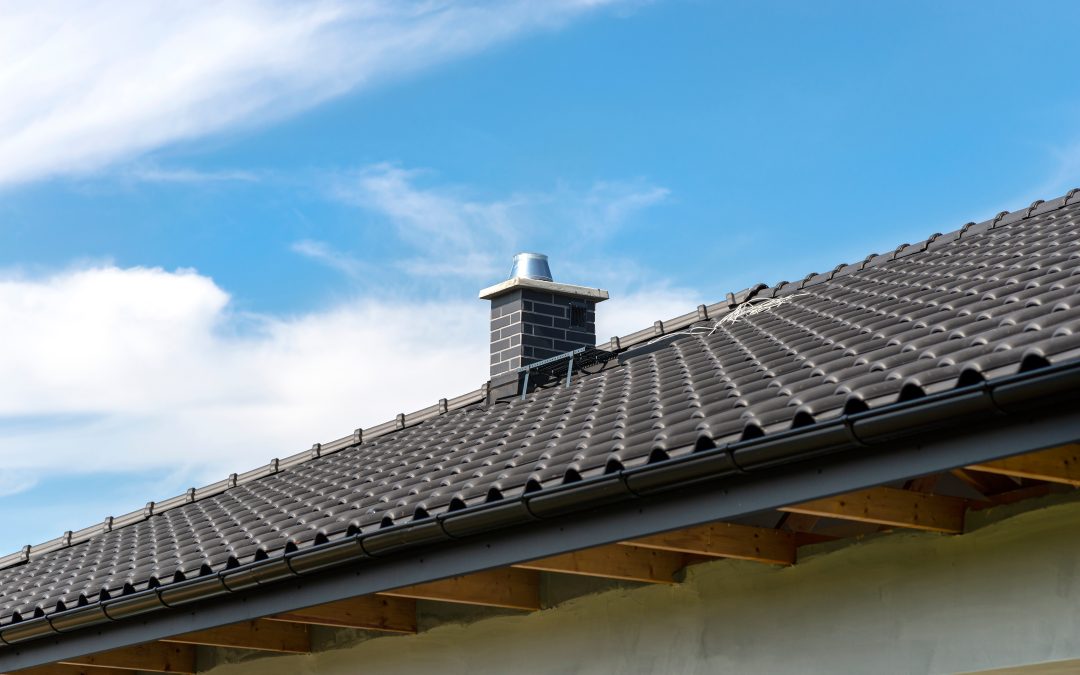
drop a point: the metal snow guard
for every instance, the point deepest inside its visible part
(553, 367)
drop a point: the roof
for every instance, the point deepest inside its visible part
(955, 311)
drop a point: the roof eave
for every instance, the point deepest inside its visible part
(1031, 411)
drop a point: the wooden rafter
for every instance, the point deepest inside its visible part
(156, 657)
(369, 612)
(726, 540)
(628, 563)
(260, 634)
(890, 506)
(1056, 465)
(506, 587)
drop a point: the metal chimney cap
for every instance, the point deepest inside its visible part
(531, 266)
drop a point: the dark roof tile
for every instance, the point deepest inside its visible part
(990, 299)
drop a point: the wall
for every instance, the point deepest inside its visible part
(1005, 593)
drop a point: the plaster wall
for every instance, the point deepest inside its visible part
(1006, 593)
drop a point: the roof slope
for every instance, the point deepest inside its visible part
(983, 302)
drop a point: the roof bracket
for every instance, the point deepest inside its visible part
(553, 367)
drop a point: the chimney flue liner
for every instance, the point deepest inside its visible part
(531, 266)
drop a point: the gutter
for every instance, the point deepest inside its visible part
(1011, 415)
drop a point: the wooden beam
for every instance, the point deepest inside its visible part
(370, 612)
(811, 538)
(63, 669)
(261, 634)
(986, 484)
(629, 563)
(798, 523)
(1018, 495)
(726, 540)
(889, 506)
(923, 483)
(505, 587)
(1057, 465)
(154, 657)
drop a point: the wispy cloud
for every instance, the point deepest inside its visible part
(1059, 179)
(14, 482)
(87, 84)
(323, 253)
(148, 174)
(609, 204)
(454, 233)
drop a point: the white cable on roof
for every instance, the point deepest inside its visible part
(751, 308)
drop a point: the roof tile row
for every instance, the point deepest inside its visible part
(980, 303)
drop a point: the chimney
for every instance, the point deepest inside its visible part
(534, 318)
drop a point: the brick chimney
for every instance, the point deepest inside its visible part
(534, 318)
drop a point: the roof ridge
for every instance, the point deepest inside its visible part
(616, 343)
(934, 241)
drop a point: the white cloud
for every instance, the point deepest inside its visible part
(151, 174)
(453, 234)
(323, 253)
(87, 84)
(130, 369)
(636, 309)
(123, 370)
(456, 234)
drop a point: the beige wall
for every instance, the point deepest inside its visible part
(1005, 593)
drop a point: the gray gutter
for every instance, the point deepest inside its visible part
(1022, 413)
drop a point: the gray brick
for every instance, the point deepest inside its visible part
(506, 300)
(583, 338)
(537, 296)
(557, 333)
(561, 346)
(536, 319)
(551, 310)
(500, 345)
(534, 341)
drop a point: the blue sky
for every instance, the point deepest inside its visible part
(228, 232)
